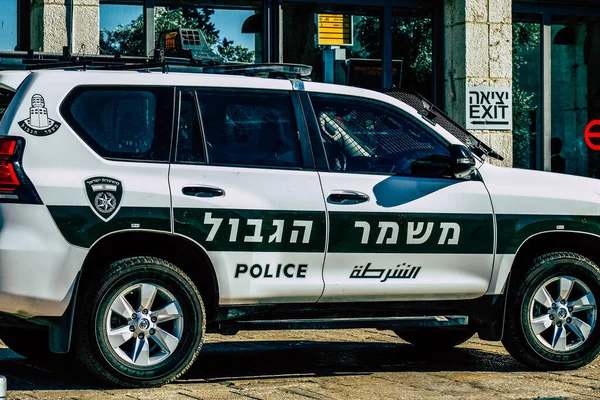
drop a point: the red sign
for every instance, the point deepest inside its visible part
(589, 135)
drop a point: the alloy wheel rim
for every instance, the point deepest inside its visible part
(562, 314)
(144, 324)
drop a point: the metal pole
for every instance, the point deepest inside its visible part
(546, 93)
(387, 47)
(149, 28)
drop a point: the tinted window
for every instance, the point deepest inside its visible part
(363, 137)
(5, 99)
(190, 146)
(123, 123)
(249, 129)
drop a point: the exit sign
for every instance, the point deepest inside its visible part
(489, 108)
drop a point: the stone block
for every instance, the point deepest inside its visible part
(500, 52)
(502, 143)
(36, 3)
(49, 30)
(476, 11)
(87, 29)
(55, 28)
(500, 11)
(477, 52)
(483, 136)
(478, 82)
(500, 82)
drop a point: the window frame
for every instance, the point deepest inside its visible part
(69, 99)
(177, 124)
(313, 123)
(304, 147)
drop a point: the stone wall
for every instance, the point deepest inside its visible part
(478, 36)
(50, 25)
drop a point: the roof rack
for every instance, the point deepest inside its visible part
(20, 60)
(435, 116)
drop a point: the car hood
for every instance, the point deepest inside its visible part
(520, 191)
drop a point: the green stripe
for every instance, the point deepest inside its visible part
(191, 222)
(514, 230)
(81, 227)
(476, 233)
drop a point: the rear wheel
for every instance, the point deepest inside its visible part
(436, 338)
(142, 323)
(551, 316)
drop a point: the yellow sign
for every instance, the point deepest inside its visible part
(335, 30)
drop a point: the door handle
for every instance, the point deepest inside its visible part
(203, 191)
(347, 197)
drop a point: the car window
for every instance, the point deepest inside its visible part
(5, 98)
(190, 146)
(362, 137)
(245, 128)
(123, 123)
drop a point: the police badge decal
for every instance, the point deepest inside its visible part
(38, 123)
(104, 195)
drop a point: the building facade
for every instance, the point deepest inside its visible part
(523, 75)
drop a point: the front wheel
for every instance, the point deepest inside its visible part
(141, 324)
(551, 315)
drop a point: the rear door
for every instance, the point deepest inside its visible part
(399, 228)
(244, 187)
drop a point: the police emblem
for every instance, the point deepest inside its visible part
(104, 195)
(38, 123)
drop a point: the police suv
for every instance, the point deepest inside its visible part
(141, 210)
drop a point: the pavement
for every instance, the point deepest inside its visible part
(351, 364)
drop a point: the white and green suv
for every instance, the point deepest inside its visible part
(139, 211)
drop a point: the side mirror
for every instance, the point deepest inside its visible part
(463, 163)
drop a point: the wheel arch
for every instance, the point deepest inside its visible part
(181, 251)
(583, 243)
(537, 244)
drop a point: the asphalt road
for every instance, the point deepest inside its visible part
(355, 364)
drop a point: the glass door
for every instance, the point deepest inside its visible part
(526, 91)
(575, 94)
(332, 40)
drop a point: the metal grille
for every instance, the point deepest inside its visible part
(369, 143)
(426, 108)
(190, 37)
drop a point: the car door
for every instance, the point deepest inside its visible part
(244, 187)
(399, 227)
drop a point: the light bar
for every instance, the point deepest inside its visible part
(260, 69)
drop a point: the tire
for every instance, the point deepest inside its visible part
(156, 347)
(29, 343)
(541, 331)
(436, 339)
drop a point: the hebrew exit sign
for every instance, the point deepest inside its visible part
(489, 108)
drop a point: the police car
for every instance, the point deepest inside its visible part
(140, 211)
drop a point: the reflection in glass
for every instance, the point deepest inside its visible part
(231, 33)
(301, 40)
(575, 94)
(412, 42)
(412, 46)
(526, 93)
(8, 24)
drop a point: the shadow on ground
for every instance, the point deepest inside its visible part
(230, 361)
